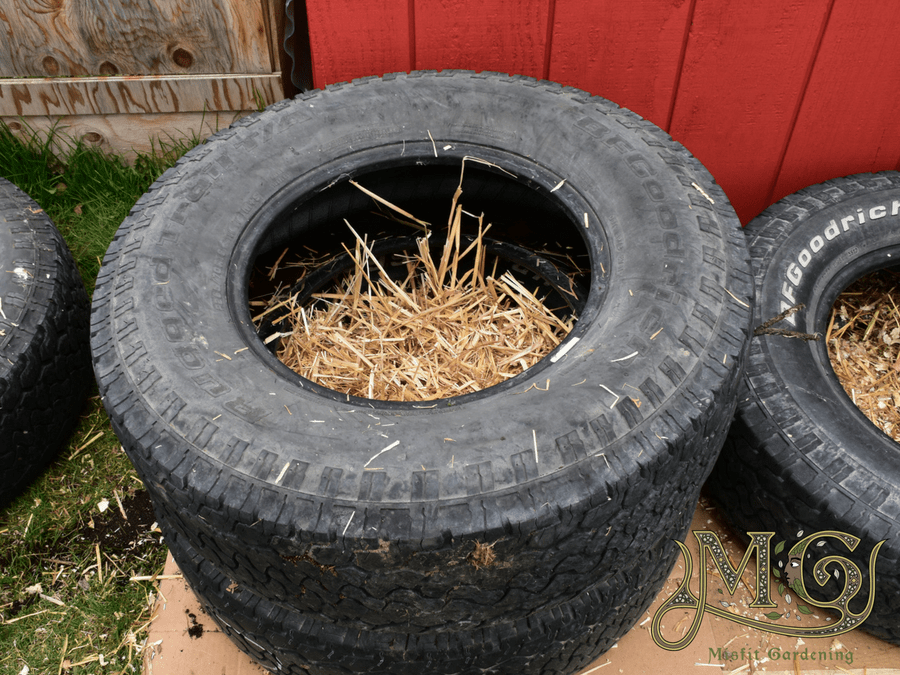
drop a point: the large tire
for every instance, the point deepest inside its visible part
(486, 506)
(45, 367)
(801, 456)
(560, 640)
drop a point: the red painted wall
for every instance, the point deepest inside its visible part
(772, 95)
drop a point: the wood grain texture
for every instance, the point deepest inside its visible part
(126, 135)
(743, 77)
(508, 36)
(153, 37)
(274, 13)
(148, 95)
(273, 24)
(351, 39)
(848, 122)
(628, 52)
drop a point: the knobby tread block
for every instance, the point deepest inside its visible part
(800, 457)
(45, 370)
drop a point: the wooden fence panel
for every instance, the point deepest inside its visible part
(849, 118)
(126, 135)
(122, 75)
(628, 52)
(136, 95)
(745, 69)
(156, 37)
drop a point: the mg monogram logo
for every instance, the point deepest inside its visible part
(831, 566)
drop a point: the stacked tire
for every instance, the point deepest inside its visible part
(801, 457)
(45, 367)
(521, 529)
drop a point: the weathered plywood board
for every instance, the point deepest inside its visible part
(848, 121)
(153, 37)
(628, 52)
(742, 80)
(123, 72)
(125, 134)
(148, 95)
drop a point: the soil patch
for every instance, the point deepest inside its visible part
(126, 530)
(195, 630)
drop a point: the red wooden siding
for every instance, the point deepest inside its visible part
(772, 95)
(629, 50)
(849, 119)
(497, 32)
(351, 39)
(745, 69)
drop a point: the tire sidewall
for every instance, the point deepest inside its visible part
(44, 354)
(179, 342)
(811, 262)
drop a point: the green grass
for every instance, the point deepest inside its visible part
(89, 193)
(84, 615)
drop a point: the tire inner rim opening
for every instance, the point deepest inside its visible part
(430, 279)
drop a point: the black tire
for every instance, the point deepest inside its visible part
(541, 493)
(45, 367)
(801, 456)
(558, 641)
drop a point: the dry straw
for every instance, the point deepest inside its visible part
(447, 327)
(863, 340)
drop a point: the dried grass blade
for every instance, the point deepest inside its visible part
(446, 329)
(385, 278)
(420, 224)
(271, 309)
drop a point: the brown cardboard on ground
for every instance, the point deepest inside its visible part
(183, 640)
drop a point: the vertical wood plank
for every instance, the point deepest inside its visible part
(274, 15)
(746, 65)
(508, 36)
(628, 52)
(351, 39)
(849, 119)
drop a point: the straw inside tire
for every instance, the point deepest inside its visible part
(422, 317)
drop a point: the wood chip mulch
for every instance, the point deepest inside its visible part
(863, 340)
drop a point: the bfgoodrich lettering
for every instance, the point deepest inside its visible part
(835, 227)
